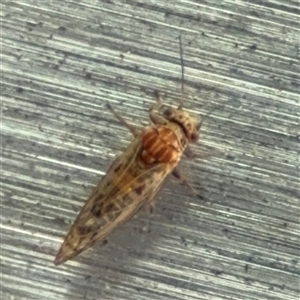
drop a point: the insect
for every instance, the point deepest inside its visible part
(136, 176)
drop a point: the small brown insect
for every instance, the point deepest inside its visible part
(135, 177)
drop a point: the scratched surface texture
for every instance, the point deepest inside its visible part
(61, 62)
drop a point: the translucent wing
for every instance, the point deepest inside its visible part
(127, 186)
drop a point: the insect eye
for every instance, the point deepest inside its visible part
(194, 137)
(168, 112)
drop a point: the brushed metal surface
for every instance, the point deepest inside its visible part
(61, 62)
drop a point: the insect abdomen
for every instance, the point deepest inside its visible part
(160, 145)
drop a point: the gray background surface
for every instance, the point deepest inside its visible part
(62, 60)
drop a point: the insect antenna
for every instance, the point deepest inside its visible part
(182, 74)
(205, 117)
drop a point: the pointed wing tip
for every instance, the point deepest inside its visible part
(59, 259)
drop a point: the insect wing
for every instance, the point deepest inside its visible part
(120, 194)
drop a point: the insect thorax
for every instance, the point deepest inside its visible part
(162, 144)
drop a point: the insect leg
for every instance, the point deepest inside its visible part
(151, 205)
(131, 128)
(178, 175)
(154, 117)
(158, 99)
(188, 152)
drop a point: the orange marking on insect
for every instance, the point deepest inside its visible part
(134, 178)
(160, 145)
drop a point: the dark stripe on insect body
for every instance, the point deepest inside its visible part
(118, 197)
(124, 193)
(139, 190)
(181, 125)
(118, 168)
(96, 211)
